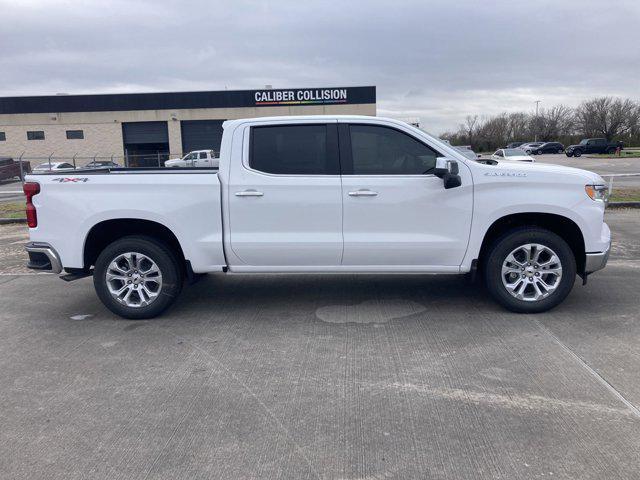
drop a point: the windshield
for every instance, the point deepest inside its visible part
(467, 152)
(513, 152)
(584, 142)
(45, 166)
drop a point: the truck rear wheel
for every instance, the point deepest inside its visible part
(137, 277)
(530, 270)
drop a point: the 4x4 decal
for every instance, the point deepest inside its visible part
(70, 179)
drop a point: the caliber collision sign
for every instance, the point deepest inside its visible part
(310, 96)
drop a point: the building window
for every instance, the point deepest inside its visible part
(75, 134)
(3, 137)
(36, 135)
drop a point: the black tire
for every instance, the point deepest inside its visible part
(559, 151)
(568, 154)
(504, 245)
(611, 151)
(577, 153)
(158, 252)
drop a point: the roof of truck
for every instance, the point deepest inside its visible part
(288, 118)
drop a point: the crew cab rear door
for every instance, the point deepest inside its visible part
(285, 205)
(397, 214)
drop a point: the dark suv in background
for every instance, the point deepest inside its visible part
(593, 145)
(548, 147)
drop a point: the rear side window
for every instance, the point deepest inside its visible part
(3, 137)
(295, 149)
(378, 150)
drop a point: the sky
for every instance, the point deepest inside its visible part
(435, 60)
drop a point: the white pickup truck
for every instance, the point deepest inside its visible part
(322, 194)
(197, 158)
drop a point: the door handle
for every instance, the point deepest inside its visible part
(249, 193)
(363, 193)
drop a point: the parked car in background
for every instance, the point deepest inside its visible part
(593, 145)
(54, 167)
(514, 144)
(467, 152)
(548, 147)
(10, 168)
(512, 155)
(528, 147)
(101, 164)
(197, 158)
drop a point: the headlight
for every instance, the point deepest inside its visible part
(597, 192)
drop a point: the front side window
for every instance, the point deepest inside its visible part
(203, 155)
(380, 150)
(3, 137)
(191, 156)
(498, 153)
(294, 149)
(37, 135)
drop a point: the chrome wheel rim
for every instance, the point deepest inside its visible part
(134, 280)
(531, 272)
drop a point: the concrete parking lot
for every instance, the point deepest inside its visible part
(332, 377)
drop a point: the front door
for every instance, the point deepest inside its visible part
(285, 205)
(396, 212)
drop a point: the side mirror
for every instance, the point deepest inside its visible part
(443, 166)
(452, 181)
(448, 171)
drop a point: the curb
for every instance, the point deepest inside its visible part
(8, 221)
(624, 205)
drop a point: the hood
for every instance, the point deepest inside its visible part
(528, 169)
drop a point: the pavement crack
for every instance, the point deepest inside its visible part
(599, 378)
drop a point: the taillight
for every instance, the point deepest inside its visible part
(30, 189)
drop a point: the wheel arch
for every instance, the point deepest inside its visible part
(108, 231)
(562, 226)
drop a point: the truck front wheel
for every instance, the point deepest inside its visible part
(137, 277)
(530, 270)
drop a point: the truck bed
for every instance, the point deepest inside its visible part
(187, 201)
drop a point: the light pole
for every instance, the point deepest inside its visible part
(537, 102)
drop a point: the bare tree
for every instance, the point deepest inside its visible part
(470, 126)
(607, 116)
(518, 127)
(552, 123)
